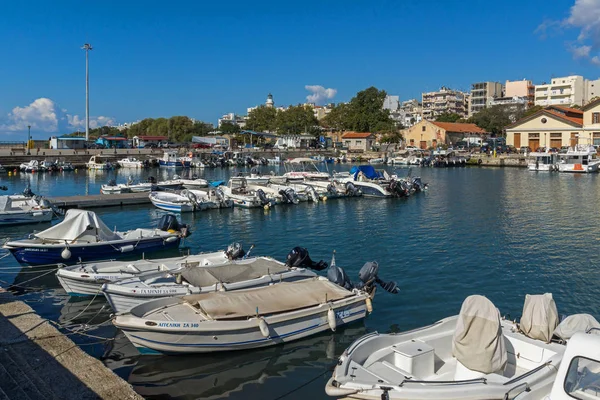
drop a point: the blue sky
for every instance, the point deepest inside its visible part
(201, 59)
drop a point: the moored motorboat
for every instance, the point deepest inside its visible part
(99, 162)
(18, 210)
(476, 355)
(579, 159)
(131, 163)
(543, 161)
(82, 236)
(170, 158)
(237, 190)
(87, 278)
(190, 200)
(304, 168)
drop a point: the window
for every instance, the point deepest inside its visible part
(358, 142)
(423, 128)
(582, 378)
(596, 118)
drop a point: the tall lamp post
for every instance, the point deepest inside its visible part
(28, 139)
(87, 47)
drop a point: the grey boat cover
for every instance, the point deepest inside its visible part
(540, 316)
(478, 342)
(575, 323)
(231, 272)
(284, 296)
(5, 203)
(77, 227)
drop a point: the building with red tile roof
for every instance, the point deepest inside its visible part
(358, 141)
(431, 134)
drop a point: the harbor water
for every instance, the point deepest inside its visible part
(501, 233)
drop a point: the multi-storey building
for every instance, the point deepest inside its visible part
(391, 103)
(482, 93)
(444, 101)
(564, 91)
(520, 89)
(232, 118)
(408, 114)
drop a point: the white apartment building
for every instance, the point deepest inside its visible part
(444, 101)
(232, 118)
(482, 93)
(563, 91)
(391, 103)
(408, 114)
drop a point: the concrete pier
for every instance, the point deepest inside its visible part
(100, 200)
(38, 362)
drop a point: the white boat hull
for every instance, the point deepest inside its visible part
(25, 217)
(578, 168)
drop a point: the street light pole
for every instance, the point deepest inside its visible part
(87, 47)
(28, 139)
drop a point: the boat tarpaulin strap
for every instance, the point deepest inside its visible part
(81, 225)
(282, 297)
(540, 316)
(478, 342)
(575, 323)
(232, 272)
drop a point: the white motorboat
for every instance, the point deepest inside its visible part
(399, 161)
(32, 166)
(130, 163)
(245, 319)
(373, 183)
(18, 210)
(476, 355)
(195, 183)
(334, 189)
(130, 187)
(194, 278)
(190, 200)
(82, 236)
(291, 190)
(237, 190)
(251, 318)
(579, 159)
(99, 162)
(543, 161)
(304, 168)
(170, 158)
(377, 161)
(87, 279)
(256, 178)
(274, 161)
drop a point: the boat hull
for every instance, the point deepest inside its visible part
(173, 207)
(578, 168)
(174, 164)
(27, 217)
(176, 337)
(52, 254)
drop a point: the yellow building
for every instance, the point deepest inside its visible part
(554, 126)
(426, 134)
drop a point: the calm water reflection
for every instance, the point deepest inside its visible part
(497, 232)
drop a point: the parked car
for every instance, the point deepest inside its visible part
(201, 146)
(564, 149)
(412, 148)
(150, 146)
(525, 149)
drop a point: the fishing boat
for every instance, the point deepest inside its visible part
(579, 159)
(130, 163)
(251, 318)
(82, 236)
(193, 278)
(99, 162)
(543, 161)
(304, 168)
(476, 355)
(375, 183)
(170, 158)
(18, 210)
(190, 200)
(85, 279)
(238, 191)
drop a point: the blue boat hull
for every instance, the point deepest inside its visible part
(40, 255)
(174, 164)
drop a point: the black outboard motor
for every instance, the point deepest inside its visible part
(264, 200)
(332, 189)
(351, 190)
(338, 276)
(289, 196)
(3, 188)
(151, 179)
(112, 182)
(27, 192)
(298, 258)
(235, 251)
(169, 222)
(367, 275)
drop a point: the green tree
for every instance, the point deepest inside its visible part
(295, 120)
(364, 113)
(492, 119)
(228, 128)
(338, 118)
(262, 119)
(448, 117)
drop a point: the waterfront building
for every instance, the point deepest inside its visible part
(141, 141)
(67, 142)
(358, 141)
(431, 134)
(445, 100)
(408, 114)
(112, 142)
(232, 118)
(211, 140)
(482, 93)
(520, 89)
(294, 141)
(564, 91)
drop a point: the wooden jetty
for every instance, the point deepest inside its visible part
(101, 200)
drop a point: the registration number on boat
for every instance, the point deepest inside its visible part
(342, 314)
(178, 325)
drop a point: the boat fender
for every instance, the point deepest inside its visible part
(264, 327)
(38, 214)
(128, 248)
(479, 161)
(324, 198)
(178, 279)
(369, 304)
(331, 319)
(170, 239)
(66, 253)
(266, 206)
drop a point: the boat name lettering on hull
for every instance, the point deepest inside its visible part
(158, 291)
(178, 325)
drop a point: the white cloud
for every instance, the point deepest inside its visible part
(319, 94)
(584, 16)
(44, 115)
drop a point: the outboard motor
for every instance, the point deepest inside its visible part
(235, 251)
(169, 222)
(332, 189)
(151, 179)
(27, 192)
(298, 258)
(112, 182)
(3, 188)
(289, 196)
(368, 277)
(264, 200)
(351, 190)
(311, 193)
(338, 276)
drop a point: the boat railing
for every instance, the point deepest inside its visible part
(461, 382)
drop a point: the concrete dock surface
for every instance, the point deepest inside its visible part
(38, 362)
(100, 200)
